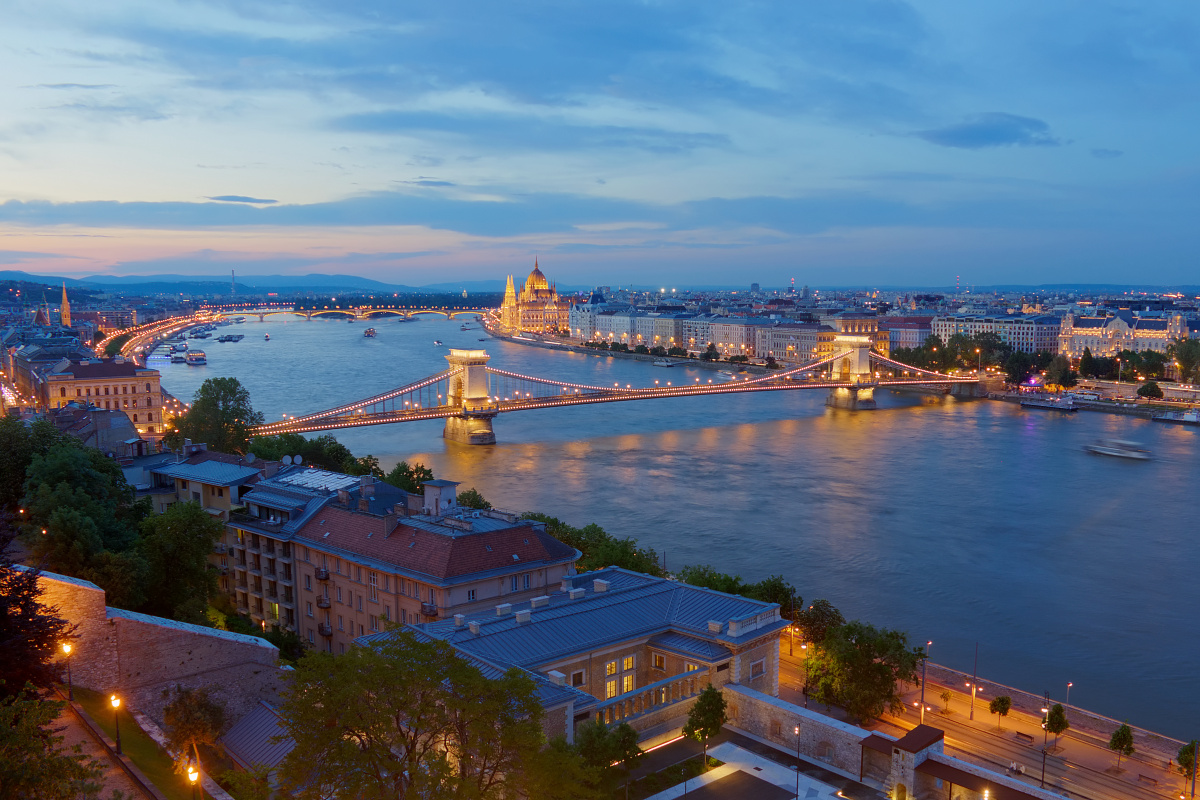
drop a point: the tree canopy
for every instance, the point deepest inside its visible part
(706, 717)
(409, 477)
(1151, 390)
(816, 621)
(31, 634)
(33, 760)
(1186, 353)
(471, 498)
(769, 590)
(1000, 706)
(601, 549)
(221, 416)
(193, 719)
(859, 666)
(324, 452)
(175, 546)
(1121, 742)
(1056, 721)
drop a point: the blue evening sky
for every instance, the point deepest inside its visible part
(835, 141)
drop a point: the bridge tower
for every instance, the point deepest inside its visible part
(853, 368)
(469, 391)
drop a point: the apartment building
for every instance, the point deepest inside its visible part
(1025, 333)
(794, 342)
(115, 384)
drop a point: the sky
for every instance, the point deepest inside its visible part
(837, 142)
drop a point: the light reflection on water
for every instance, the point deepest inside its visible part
(955, 521)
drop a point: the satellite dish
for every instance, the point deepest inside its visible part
(298, 460)
(249, 457)
(287, 460)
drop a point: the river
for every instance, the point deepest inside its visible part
(958, 522)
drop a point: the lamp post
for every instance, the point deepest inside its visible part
(978, 360)
(792, 626)
(924, 662)
(116, 705)
(193, 776)
(66, 648)
(1069, 685)
(804, 647)
(797, 731)
(975, 673)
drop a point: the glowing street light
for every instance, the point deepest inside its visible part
(116, 705)
(66, 648)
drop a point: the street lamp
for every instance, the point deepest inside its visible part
(193, 776)
(116, 704)
(66, 648)
(924, 661)
(1069, 685)
(804, 647)
(797, 732)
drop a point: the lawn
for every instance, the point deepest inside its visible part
(151, 759)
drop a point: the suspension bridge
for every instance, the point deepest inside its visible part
(469, 394)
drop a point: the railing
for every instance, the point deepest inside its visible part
(285, 578)
(322, 574)
(322, 601)
(240, 584)
(325, 629)
(258, 522)
(429, 609)
(268, 572)
(272, 595)
(652, 697)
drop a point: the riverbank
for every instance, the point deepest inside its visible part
(1141, 409)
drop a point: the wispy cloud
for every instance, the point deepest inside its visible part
(241, 198)
(993, 129)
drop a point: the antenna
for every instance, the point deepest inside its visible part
(287, 460)
(232, 282)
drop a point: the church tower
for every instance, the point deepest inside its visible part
(66, 308)
(509, 313)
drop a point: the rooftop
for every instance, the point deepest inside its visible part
(213, 473)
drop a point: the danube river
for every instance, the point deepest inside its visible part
(960, 522)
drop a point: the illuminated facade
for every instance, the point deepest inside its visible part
(537, 308)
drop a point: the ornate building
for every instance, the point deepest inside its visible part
(537, 308)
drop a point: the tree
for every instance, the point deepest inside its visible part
(859, 666)
(175, 546)
(1017, 367)
(192, 719)
(409, 478)
(1056, 721)
(770, 590)
(367, 465)
(1150, 389)
(221, 416)
(1121, 742)
(114, 347)
(254, 784)
(817, 620)
(1185, 352)
(603, 748)
(1000, 706)
(706, 717)
(946, 696)
(599, 548)
(1087, 364)
(642, 350)
(710, 353)
(324, 452)
(557, 772)
(473, 499)
(1059, 373)
(1186, 758)
(19, 443)
(33, 762)
(403, 717)
(31, 635)
(1153, 364)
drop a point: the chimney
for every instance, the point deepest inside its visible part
(538, 602)
(714, 626)
(391, 521)
(557, 678)
(504, 609)
(343, 497)
(364, 504)
(523, 616)
(474, 626)
(367, 483)
(575, 594)
(460, 620)
(599, 585)
(735, 627)
(566, 585)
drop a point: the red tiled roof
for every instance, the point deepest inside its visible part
(439, 555)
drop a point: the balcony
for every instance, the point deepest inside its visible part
(325, 629)
(653, 697)
(429, 610)
(322, 574)
(322, 601)
(272, 595)
(268, 573)
(220, 549)
(270, 525)
(284, 578)
(240, 584)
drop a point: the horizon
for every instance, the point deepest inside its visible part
(905, 144)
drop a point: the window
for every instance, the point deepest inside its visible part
(610, 689)
(310, 635)
(306, 554)
(374, 623)
(610, 668)
(627, 684)
(513, 583)
(220, 492)
(577, 678)
(688, 667)
(360, 602)
(339, 594)
(308, 609)
(358, 574)
(758, 669)
(135, 417)
(182, 484)
(373, 579)
(470, 595)
(660, 661)
(308, 582)
(525, 581)
(628, 663)
(723, 667)
(340, 622)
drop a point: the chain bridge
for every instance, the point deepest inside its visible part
(469, 394)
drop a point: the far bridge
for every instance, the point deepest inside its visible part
(469, 394)
(362, 312)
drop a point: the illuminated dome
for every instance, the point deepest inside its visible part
(536, 279)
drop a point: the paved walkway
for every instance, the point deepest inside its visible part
(113, 777)
(724, 782)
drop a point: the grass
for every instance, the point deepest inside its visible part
(673, 775)
(151, 759)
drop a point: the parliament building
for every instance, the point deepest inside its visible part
(537, 308)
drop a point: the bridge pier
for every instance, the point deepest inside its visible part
(469, 390)
(852, 399)
(469, 430)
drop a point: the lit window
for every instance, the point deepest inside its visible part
(660, 661)
(627, 684)
(610, 689)
(628, 663)
(610, 668)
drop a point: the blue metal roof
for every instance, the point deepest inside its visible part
(281, 502)
(684, 645)
(213, 473)
(251, 741)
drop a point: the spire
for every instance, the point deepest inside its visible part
(66, 308)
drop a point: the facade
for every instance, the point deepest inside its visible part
(215, 480)
(113, 384)
(334, 557)
(906, 332)
(1108, 336)
(634, 647)
(1025, 333)
(108, 320)
(537, 308)
(736, 336)
(795, 342)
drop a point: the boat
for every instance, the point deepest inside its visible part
(662, 362)
(1118, 449)
(483, 338)
(196, 358)
(178, 358)
(267, 337)
(369, 333)
(726, 376)
(239, 320)
(1049, 403)
(1189, 417)
(181, 347)
(437, 342)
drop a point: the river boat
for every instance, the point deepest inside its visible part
(239, 320)
(1047, 403)
(1118, 448)
(159, 357)
(1189, 417)
(662, 362)
(267, 337)
(483, 338)
(369, 333)
(178, 358)
(196, 358)
(179, 347)
(437, 342)
(726, 376)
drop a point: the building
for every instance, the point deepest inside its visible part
(215, 480)
(907, 332)
(1023, 333)
(334, 557)
(637, 648)
(1108, 336)
(115, 384)
(537, 308)
(108, 320)
(65, 310)
(795, 342)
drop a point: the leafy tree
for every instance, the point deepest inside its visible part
(253, 784)
(859, 667)
(946, 696)
(409, 478)
(192, 719)
(1017, 367)
(325, 451)
(30, 633)
(221, 416)
(708, 577)
(175, 546)
(599, 548)
(677, 351)
(642, 349)
(1059, 373)
(770, 590)
(367, 465)
(1000, 706)
(473, 499)
(19, 443)
(1150, 389)
(658, 350)
(710, 353)
(1186, 353)
(603, 748)
(1056, 721)
(33, 761)
(291, 647)
(1121, 742)
(1087, 364)
(557, 772)
(1153, 364)
(817, 620)
(402, 717)
(1186, 759)
(706, 717)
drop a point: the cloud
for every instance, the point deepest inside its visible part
(240, 198)
(1101, 152)
(75, 86)
(992, 129)
(21, 256)
(428, 182)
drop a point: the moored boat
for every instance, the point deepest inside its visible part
(178, 358)
(662, 362)
(267, 337)
(1048, 403)
(1118, 448)
(196, 358)
(437, 342)
(1189, 417)
(369, 333)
